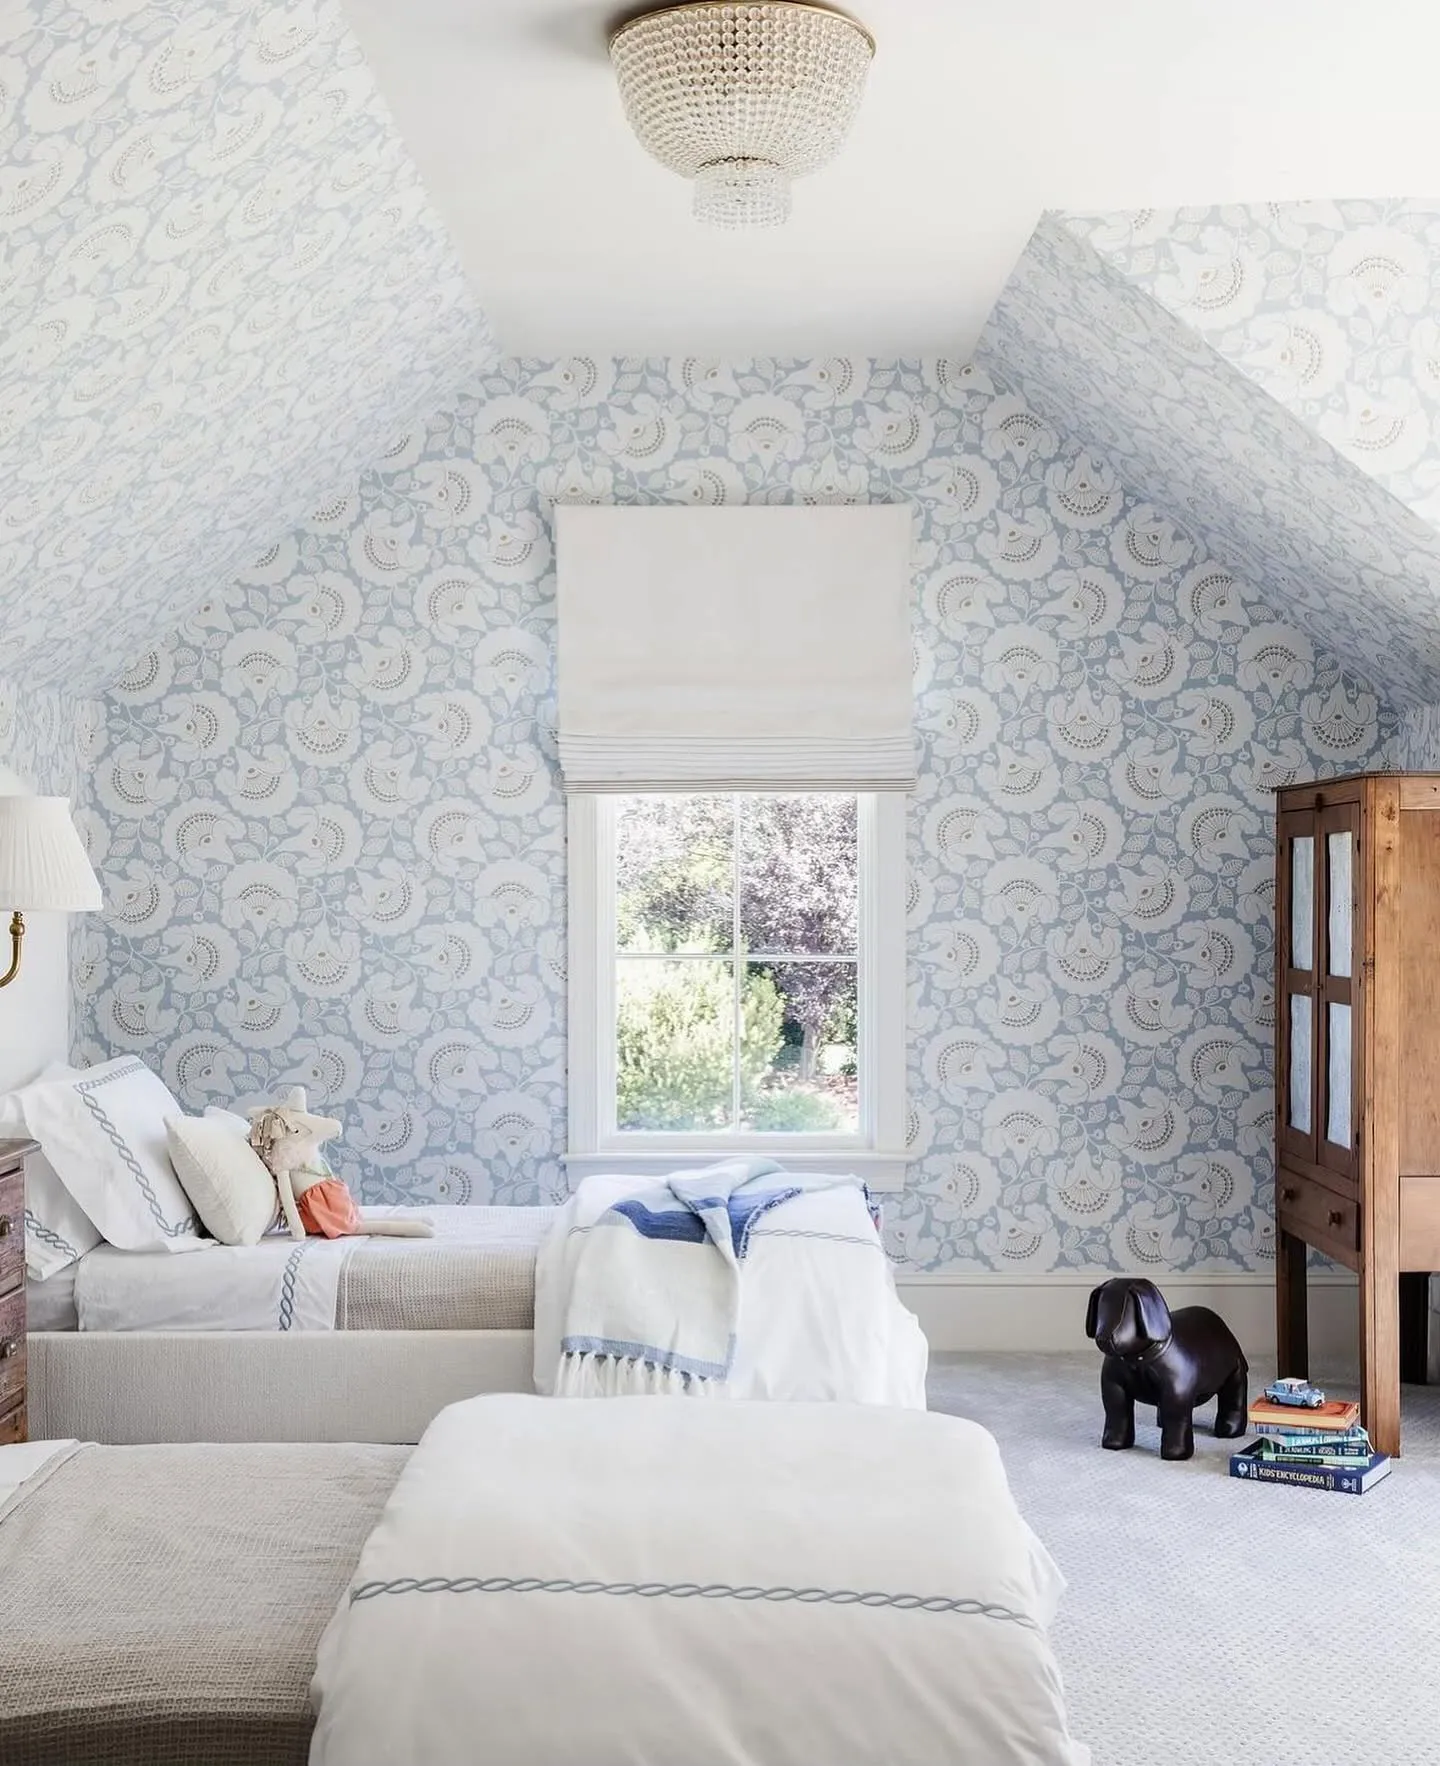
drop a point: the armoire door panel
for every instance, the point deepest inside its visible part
(1302, 901)
(1297, 938)
(1299, 1114)
(1340, 901)
(1336, 1024)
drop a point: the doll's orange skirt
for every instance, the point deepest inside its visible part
(328, 1209)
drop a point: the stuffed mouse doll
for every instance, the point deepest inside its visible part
(288, 1139)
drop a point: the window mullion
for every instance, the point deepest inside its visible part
(735, 959)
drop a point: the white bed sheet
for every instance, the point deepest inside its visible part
(746, 1584)
(281, 1284)
(50, 1305)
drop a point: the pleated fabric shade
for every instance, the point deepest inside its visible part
(42, 862)
(741, 648)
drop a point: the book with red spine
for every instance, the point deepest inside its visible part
(1335, 1415)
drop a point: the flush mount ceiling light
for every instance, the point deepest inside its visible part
(742, 98)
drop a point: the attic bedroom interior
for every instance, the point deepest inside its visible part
(727, 701)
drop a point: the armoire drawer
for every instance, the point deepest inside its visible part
(1318, 1215)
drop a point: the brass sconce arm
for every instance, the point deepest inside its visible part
(17, 932)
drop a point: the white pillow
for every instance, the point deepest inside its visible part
(58, 1231)
(103, 1130)
(223, 1175)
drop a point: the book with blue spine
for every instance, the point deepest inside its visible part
(1341, 1449)
(1251, 1464)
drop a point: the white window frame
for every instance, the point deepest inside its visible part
(876, 1152)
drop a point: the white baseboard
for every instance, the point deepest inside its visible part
(982, 1310)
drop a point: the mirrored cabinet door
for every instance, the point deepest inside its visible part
(1337, 832)
(1298, 935)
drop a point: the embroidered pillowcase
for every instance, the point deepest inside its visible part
(103, 1131)
(223, 1175)
(58, 1231)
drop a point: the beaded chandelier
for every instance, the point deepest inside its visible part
(742, 98)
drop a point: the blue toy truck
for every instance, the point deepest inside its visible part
(1297, 1392)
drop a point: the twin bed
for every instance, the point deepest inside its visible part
(800, 1582)
(324, 1340)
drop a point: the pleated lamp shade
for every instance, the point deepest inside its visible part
(42, 863)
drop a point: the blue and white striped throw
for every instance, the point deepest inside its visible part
(654, 1301)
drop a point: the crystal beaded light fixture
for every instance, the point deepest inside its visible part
(742, 99)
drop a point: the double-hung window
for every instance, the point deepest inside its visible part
(737, 979)
(734, 726)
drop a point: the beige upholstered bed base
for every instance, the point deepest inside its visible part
(134, 1386)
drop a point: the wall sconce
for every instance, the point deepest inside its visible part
(43, 866)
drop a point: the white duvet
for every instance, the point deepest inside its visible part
(819, 1313)
(655, 1582)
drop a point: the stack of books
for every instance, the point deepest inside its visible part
(1322, 1448)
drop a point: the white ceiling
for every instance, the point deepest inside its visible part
(978, 116)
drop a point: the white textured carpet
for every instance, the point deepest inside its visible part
(1201, 1611)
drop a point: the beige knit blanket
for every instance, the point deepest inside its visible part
(161, 1606)
(481, 1281)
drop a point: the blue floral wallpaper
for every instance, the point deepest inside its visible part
(327, 815)
(1352, 565)
(1330, 307)
(221, 280)
(43, 737)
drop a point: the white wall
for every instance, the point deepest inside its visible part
(35, 1007)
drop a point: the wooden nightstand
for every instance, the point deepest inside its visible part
(12, 1290)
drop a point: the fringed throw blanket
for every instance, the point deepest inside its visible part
(644, 1277)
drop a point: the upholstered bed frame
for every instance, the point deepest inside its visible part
(139, 1386)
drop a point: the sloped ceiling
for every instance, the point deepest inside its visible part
(1336, 551)
(1331, 308)
(224, 289)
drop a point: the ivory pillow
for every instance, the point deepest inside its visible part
(223, 1175)
(103, 1130)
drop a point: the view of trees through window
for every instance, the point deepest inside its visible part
(736, 963)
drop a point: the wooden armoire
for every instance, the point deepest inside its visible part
(1357, 1069)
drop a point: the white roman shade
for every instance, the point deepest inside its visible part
(735, 648)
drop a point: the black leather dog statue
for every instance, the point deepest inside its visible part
(1173, 1360)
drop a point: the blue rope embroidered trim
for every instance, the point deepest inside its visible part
(287, 1284)
(48, 1236)
(185, 1228)
(836, 1597)
(798, 1232)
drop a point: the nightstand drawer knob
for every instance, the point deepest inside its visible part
(5, 1224)
(9, 1349)
(1336, 1217)
(1288, 1195)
